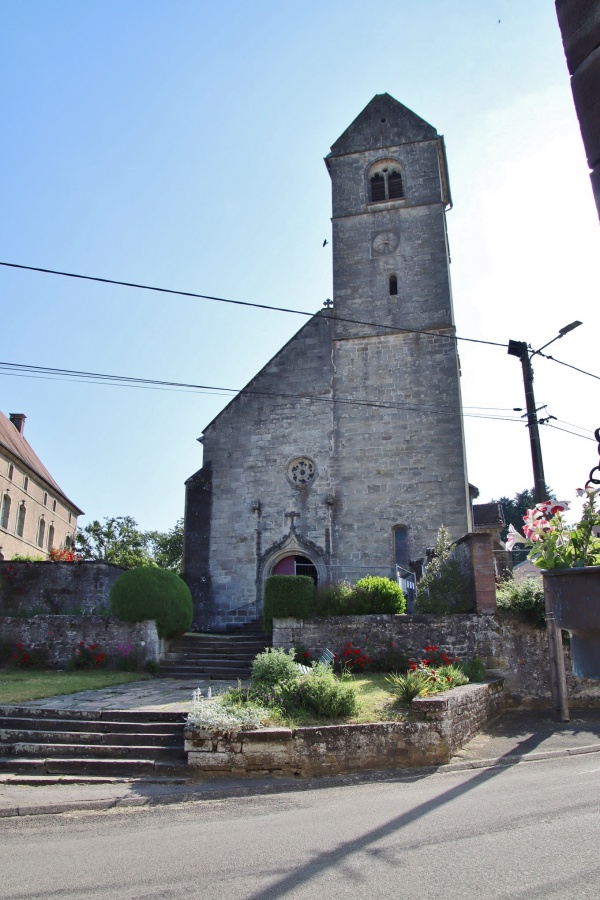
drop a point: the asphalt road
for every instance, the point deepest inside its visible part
(529, 831)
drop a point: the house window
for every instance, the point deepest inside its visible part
(41, 532)
(54, 506)
(393, 285)
(385, 183)
(69, 518)
(50, 538)
(45, 499)
(25, 483)
(11, 471)
(5, 511)
(21, 519)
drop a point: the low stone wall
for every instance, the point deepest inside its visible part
(59, 588)
(437, 727)
(510, 647)
(59, 636)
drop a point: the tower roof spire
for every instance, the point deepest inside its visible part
(384, 122)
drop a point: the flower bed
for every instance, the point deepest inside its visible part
(439, 725)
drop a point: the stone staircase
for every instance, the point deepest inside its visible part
(42, 746)
(215, 656)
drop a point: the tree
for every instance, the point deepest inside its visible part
(166, 547)
(118, 540)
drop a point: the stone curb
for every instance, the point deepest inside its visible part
(263, 787)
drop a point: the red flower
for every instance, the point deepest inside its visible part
(306, 654)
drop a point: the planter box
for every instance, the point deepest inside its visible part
(439, 726)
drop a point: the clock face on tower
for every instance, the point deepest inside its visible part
(385, 242)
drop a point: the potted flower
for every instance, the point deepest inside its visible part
(569, 557)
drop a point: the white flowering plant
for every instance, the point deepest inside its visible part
(554, 543)
(212, 714)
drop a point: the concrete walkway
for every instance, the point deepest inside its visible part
(160, 694)
(515, 738)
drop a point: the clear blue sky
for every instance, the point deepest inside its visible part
(180, 144)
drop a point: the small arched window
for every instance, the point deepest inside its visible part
(395, 186)
(41, 532)
(377, 187)
(26, 483)
(45, 499)
(5, 511)
(393, 285)
(385, 183)
(11, 471)
(50, 538)
(21, 519)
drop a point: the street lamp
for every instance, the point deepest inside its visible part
(521, 350)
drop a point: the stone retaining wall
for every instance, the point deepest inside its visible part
(60, 588)
(509, 646)
(59, 636)
(436, 728)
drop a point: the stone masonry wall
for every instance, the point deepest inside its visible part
(63, 588)
(59, 636)
(437, 728)
(510, 647)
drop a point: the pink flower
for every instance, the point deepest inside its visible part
(514, 537)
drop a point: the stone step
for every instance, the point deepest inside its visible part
(119, 739)
(114, 768)
(99, 751)
(182, 672)
(200, 660)
(104, 715)
(169, 729)
(47, 780)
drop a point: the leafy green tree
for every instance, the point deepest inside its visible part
(117, 540)
(443, 589)
(166, 547)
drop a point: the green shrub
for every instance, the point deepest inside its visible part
(323, 694)
(525, 597)
(380, 595)
(274, 667)
(332, 598)
(474, 669)
(152, 593)
(444, 588)
(410, 685)
(288, 595)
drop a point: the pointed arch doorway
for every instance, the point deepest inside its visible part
(296, 564)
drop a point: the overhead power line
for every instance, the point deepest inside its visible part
(284, 309)
(25, 370)
(568, 365)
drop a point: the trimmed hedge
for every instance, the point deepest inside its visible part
(375, 594)
(148, 592)
(288, 595)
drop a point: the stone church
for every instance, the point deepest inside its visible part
(345, 453)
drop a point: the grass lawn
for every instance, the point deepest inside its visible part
(377, 704)
(20, 685)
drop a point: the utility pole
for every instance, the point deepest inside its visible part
(520, 349)
(558, 681)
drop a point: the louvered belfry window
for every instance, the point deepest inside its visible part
(377, 187)
(395, 188)
(386, 184)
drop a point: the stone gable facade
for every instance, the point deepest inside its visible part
(345, 453)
